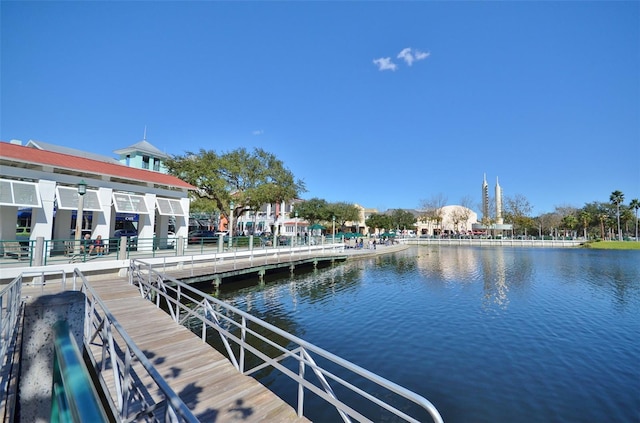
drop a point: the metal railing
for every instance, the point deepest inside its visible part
(19, 250)
(74, 398)
(256, 257)
(242, 334)
(129, 399)
(11, 307)
(11, 315)
(61, 251)
(503, 242)
(109, 348)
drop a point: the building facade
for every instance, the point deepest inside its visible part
(46, 183)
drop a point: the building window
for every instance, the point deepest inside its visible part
(145, 162)
(156, 165)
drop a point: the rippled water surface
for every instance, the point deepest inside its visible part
(486, 334)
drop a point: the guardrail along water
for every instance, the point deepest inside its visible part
(342, 384)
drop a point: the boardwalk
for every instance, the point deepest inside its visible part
(205, 380)
(218, 270)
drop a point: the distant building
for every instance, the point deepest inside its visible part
(492, 224)
(359, 226)
(452, 220)
(272, 218)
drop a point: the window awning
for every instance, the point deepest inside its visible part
(129, 203)
(19, 193)
(67, 198)
(168, 207)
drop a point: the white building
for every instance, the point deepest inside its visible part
(454, 220)
(47, 182)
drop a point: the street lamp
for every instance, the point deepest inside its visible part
(296, 230)
(333, 234)
(231, 225)
(82, 190)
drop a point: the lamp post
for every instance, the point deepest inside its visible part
(333, 233)
(231, 205)
(82, 190)
(296, 228)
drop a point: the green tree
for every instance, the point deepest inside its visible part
(314, 211)
(635, 205)
(570, 222)
(599, 213)
(616, 198)
(379, 221)
(602, 217)
(585, 219)
(344, 212)
(249, 179)
(626, 217)
(402, 219)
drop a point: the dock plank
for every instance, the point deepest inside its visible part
(203, 377)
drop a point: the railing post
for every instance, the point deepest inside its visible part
(243, 336)
(301, 370)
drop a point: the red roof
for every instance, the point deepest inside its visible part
(29, 155)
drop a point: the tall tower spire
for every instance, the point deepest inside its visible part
(144, 136)
(499, 220)
(485, 198)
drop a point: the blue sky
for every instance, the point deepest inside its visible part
(386, 104)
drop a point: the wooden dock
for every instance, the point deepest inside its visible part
(205, 379)
(219, 270)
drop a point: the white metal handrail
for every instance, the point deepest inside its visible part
(11, 309)
(120, 355)
(185, 303)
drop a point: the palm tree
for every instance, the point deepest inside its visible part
(569, 222)
(602, 217)
(635, 204)
(585, 216)
(617, 197)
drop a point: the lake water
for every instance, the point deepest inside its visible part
(485, 334)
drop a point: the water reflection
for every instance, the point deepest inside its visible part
(495, 279)
(499, 270)
(486, 333)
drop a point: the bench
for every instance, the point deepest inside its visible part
(14, 249)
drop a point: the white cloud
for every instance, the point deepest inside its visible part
(385, 63)
(258, 132)
(410, 56)
(420, 55)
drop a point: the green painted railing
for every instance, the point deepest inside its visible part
(74, 397)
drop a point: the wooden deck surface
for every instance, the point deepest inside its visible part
(205, 379)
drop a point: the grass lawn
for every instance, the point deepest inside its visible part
(614, 245)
